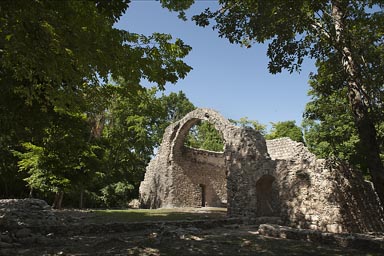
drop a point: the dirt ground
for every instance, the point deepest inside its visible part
(171, 240)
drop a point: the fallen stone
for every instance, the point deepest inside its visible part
(134, 204)
(350, 240)
(16, 213)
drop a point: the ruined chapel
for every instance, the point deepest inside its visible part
(253, 177)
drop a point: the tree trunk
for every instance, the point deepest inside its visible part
(58, 200)
(358, 101)
(30, 192)
(5, 187)
(81, 202)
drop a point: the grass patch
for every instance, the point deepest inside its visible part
(133, 215)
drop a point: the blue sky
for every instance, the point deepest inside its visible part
(228, 78)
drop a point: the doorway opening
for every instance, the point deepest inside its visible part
(265, 206)
(202, 193)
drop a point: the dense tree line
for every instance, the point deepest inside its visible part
(77, 128)
(73, 118)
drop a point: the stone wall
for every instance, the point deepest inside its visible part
(179, 176)
(316, 195)
(278, 178)
(18, 218)
(282, 148)
(25, 213)
(203, 173)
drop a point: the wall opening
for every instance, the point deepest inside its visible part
(202, 190)
(264, 196)
(199, 155)
(203, 135)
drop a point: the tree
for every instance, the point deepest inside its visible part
(53, 49)
(245, 122)
(285, 129)
(18, 123)
(132, 126)
(202, 135)
(205, 136)
(296, 29)
(177, 106)
(56, 162)
(56, 60)
(328, 121)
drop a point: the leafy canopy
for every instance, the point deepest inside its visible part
(285, 129)
(52, 49)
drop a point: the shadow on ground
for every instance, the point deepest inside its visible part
(169, 239)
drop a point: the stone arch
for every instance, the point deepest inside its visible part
(200, 175)
(220, 123)
(178, 175)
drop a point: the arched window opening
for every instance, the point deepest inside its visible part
(204, 135)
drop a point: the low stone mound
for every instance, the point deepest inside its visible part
(369, 241)
(17, 213)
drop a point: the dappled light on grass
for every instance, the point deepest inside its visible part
(132, 215)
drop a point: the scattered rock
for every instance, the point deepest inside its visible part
(357, 241)
(26, 213)
(134, 204)
(20, 220)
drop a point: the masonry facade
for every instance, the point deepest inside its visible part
(253, 177)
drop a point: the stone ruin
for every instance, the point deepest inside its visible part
(19, 218)
(253, 177)
(26, 213)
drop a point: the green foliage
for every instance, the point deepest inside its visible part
(103, 152)
(177, 106)
(245, 122)
(54, 50)
(134, 125)
(285, 129)
(63, 127)
(132, 131)
(177, 6)
(29, 162)
(292, 29)
(329, 125)
(346, 39)
(117, 193)
(58, 159)
(205, 136)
